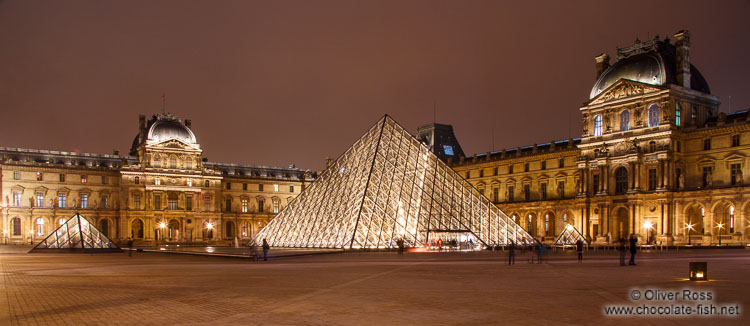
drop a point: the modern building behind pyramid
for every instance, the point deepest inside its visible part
(388, 186)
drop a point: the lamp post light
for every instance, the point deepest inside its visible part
(162, 226)
(31, 237)
(720, 226)
(648, 226)
(689, 228)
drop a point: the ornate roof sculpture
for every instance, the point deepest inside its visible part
(569, 236)
(388, 186)
(77, 233)
(652, 62)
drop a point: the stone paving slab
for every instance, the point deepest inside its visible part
(351, 289)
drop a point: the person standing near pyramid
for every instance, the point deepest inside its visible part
(512, 253)
(266, 247)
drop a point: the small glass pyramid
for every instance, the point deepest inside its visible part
(386, 187)
(76, 233)
(569, 236)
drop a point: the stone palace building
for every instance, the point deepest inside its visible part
(655, 158)
(163, 191)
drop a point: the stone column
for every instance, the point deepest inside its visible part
(605, 178)
(637, 176)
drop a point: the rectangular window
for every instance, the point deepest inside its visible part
(105, 180)
(137, 180)
(736, 172)
(62, 200)
(84, 201)
(244, 186)
(494, 170)
(276, 188)
(543, 191)
(157, 202)
(544, 165)
(678, 115)
(16, 175)
(84, 178)
(62, 177)
(244, 205)
(229, 185)
(511, 190)
(561, 188)
(707, 144)
(228, 204)
(291, 188)
(526, 167)
(496, 194)
(189, 203)
(276, 206)
(468, 174)
(510, 169)
(561, 164)
(678, 146)
(157, 181)
(137, 201)
(16, 198)
(260, 187)
(526, 192)
(39, 199)
(39, 176)
(652, 180)
(172, 204)
(260, 205)
(105, 201)
(207, 203)
(735, 140)
(189, 182)
(707, 175)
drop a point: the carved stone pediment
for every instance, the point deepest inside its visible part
(624, 88)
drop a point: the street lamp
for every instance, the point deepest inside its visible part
(162, 226)
(689, 228)
(648, 226)
(31, 237)
(720, 226)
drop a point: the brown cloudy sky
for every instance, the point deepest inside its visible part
(280, 82)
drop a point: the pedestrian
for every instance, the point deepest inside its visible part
(540, 251)
(440, 244)
(621, 249)
(530, 249)
(633, 248)
(265, 250)
(579, 249)
(400, 243)
(512, 253)
(130, 247)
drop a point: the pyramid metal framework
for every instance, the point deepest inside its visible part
(569, 236)
(388, 186)
(77, 233)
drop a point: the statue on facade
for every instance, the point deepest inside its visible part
(709, 179)
(560, 189)
(681, 181)
(739, 178)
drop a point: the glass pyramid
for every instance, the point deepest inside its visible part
(569, 236)
(76, 233)
(388, 186)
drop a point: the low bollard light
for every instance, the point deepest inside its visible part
(698, 271)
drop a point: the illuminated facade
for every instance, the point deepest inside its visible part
(163, 191)
(388, 187)
(655, 158)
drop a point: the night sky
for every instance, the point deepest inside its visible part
(282, 82)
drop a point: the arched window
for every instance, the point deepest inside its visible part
(137, 180)
(731, 219)
(621, 180)
(188, 163)
(39, 227)
(653, 115)
(16, 226)
(677, 114)
(172, 162)
(625, 120)
(598, 125)
(104, 227)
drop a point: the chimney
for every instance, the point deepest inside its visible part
(683, 58)
(141, 128)
(602, 63)
(189, 123)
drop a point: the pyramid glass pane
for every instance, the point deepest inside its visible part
(76, 233)
(569, 236)
(388, 186)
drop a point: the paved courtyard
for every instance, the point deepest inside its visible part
(357, 289)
